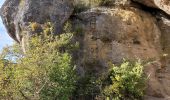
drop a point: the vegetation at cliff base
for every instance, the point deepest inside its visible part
(44, 72)
(126, 81)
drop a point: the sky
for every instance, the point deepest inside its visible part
(4, 37)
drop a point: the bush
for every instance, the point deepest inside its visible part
(83, 5)
(87, 88)
(44, 72)
(126, 82)
(107, 2)
(34, 26)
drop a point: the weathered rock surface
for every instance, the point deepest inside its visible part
(113, 34)
(18, 14)
(164, 25)
(160, 4)
(155, 88)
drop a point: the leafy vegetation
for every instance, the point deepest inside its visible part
(44, 72)
(34, 26)
(83, 5)
(125, 82)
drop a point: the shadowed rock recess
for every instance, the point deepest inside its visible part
(134, 29)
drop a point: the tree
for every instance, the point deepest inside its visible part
(44, 72)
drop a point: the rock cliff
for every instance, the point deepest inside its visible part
(136, 29)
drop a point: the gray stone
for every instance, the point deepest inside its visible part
(18, 14)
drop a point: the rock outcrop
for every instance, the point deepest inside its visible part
(117, 33)
(125, 33)
(160, 4)
(18, 14)
(109, 34)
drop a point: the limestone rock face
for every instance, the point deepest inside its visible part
(17, 14)
(154, 86)
(164, 25)
(160, 4)
(114, 34)
(111, 34)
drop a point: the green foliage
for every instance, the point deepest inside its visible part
(88, 86)
(82, 5)
(7, 70)
(34, 26)
(6, 74)
(106, 2)
(44, 72)
(126, 81)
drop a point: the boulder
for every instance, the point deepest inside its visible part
(17, 15)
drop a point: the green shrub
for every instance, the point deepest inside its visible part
(44, 72)
(80, 7)
(126, 82)
(34, 26)
(83, 5)
(87, 87)
(107, 3)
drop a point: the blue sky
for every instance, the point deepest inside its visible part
(4, 38)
